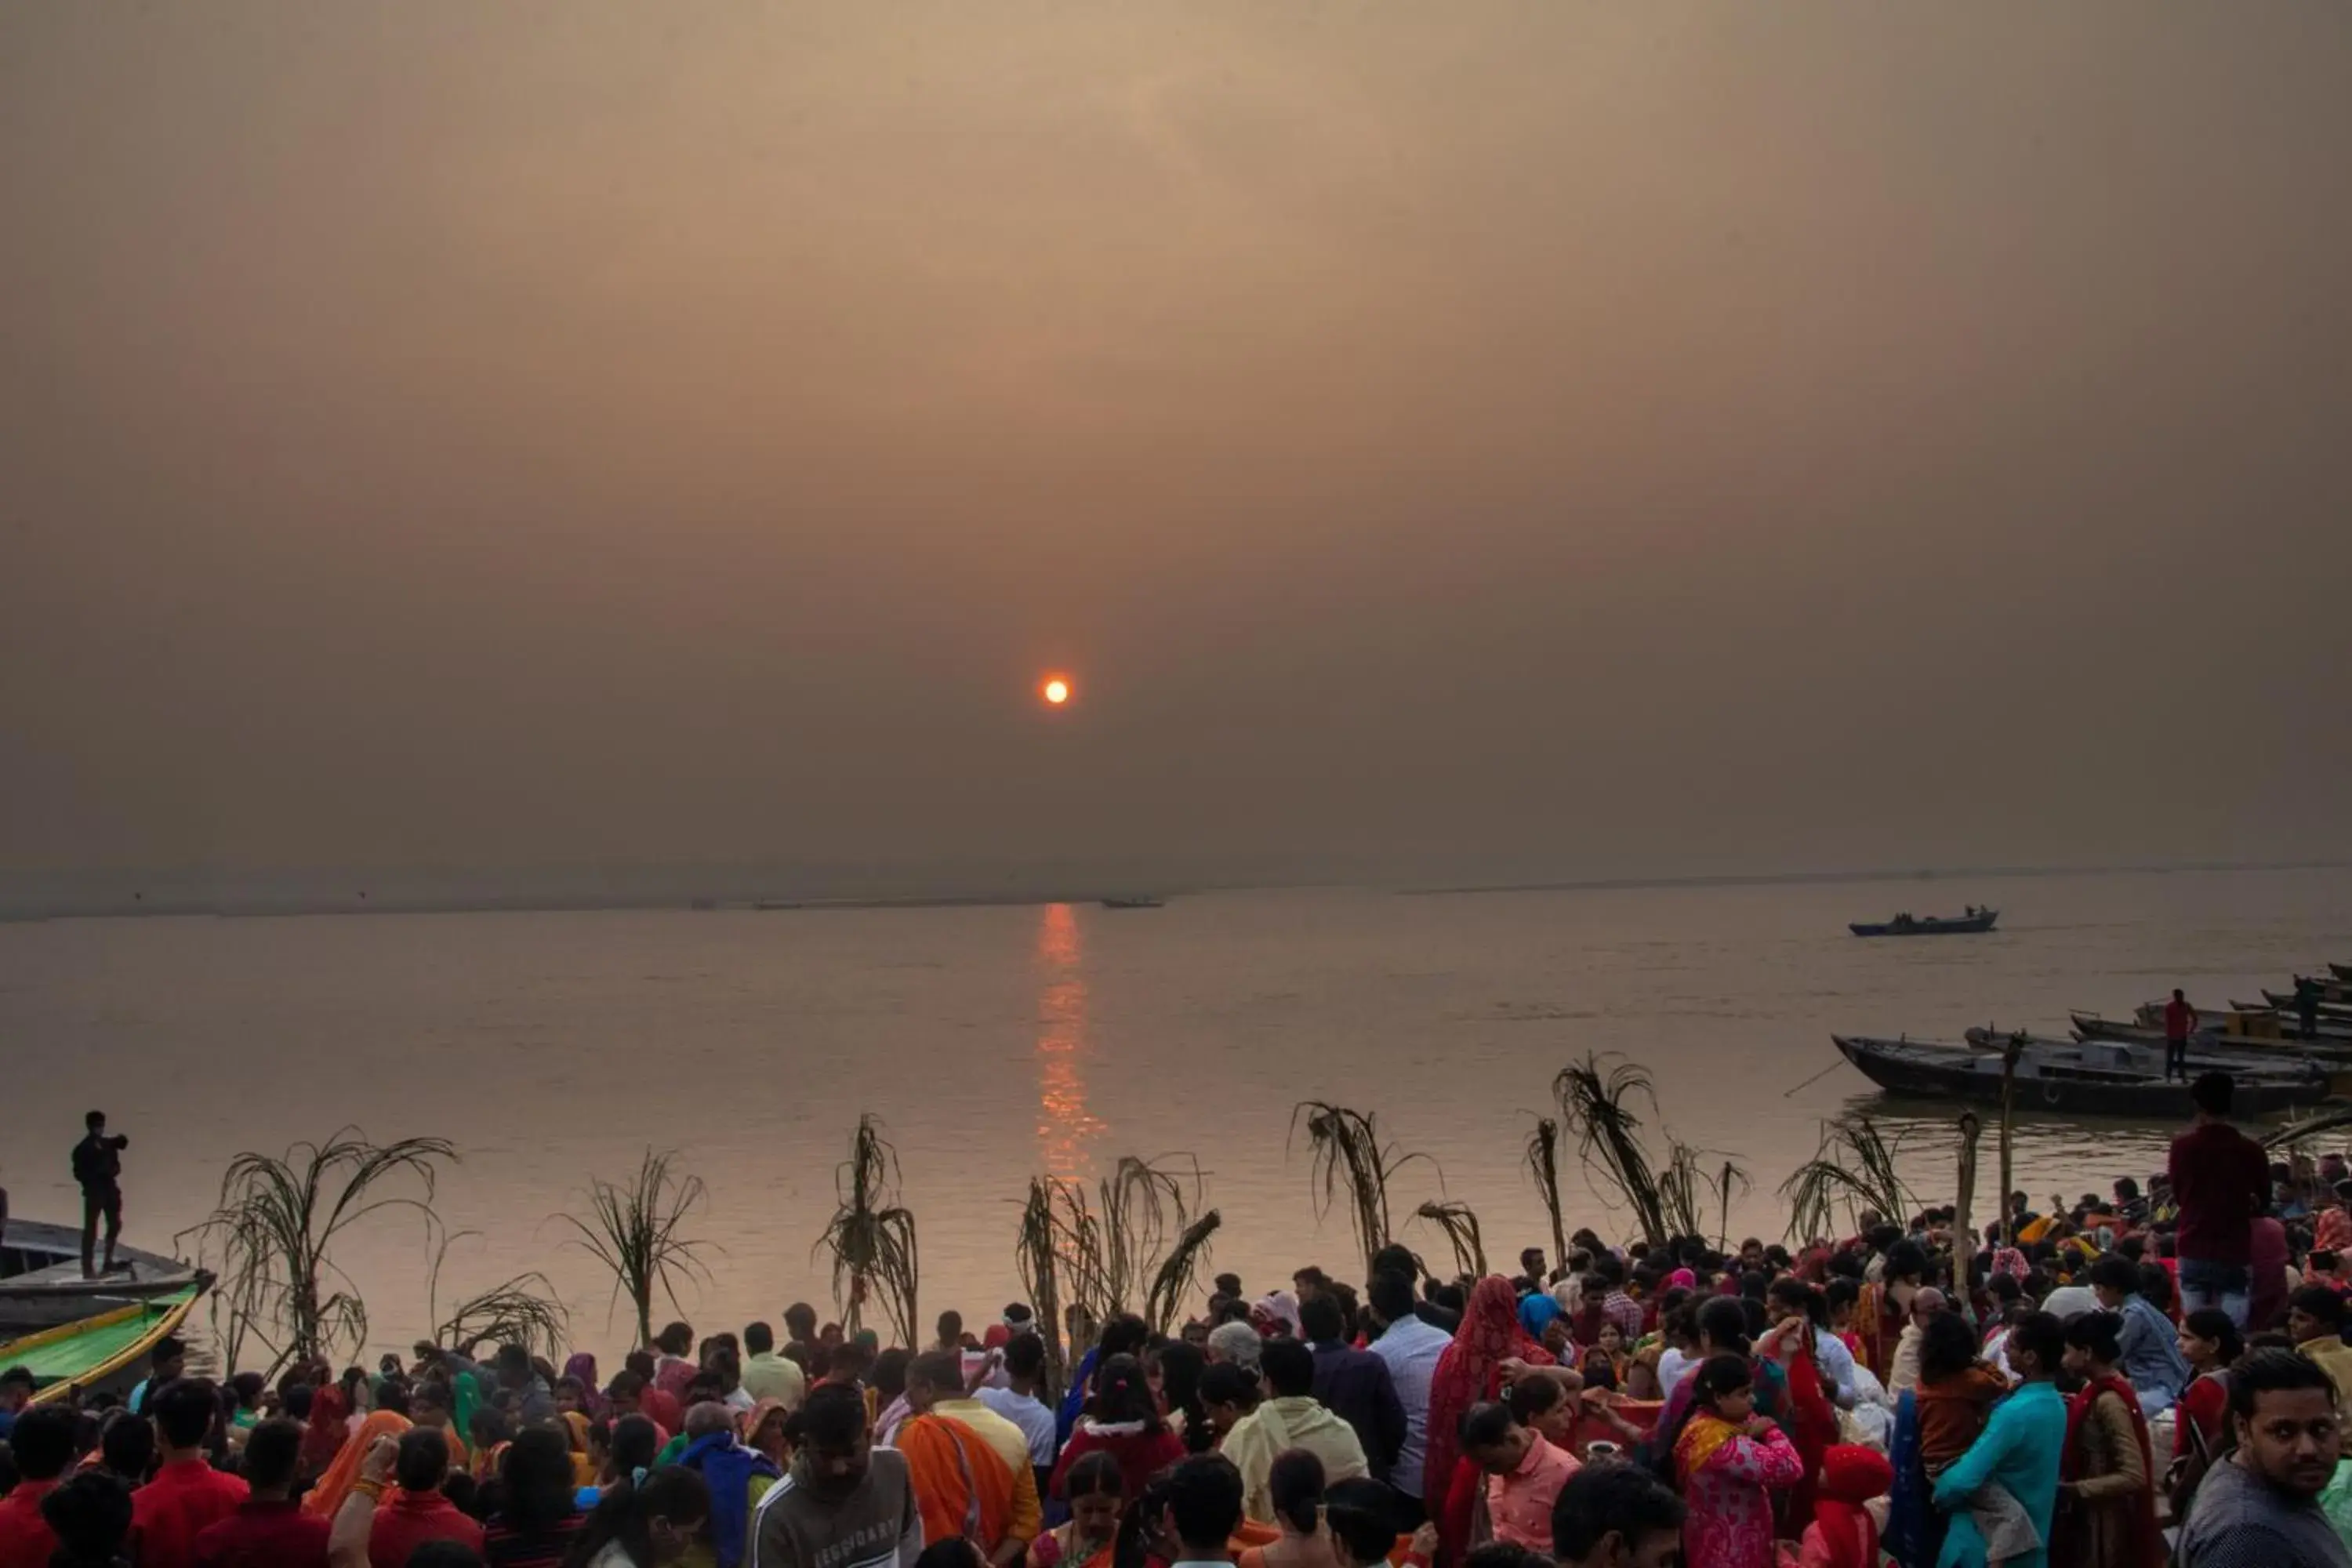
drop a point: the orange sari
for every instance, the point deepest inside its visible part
(961, 1486)
(336, 1485)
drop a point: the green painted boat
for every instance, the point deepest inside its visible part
(89, 1353)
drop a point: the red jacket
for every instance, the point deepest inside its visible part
(186, 1498)
(406, 1521)
(264, 1535)
(26, 1539)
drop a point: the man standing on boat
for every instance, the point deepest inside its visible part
(98, 1166)
(2179, 1023)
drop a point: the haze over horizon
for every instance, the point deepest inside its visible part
(1653, 441)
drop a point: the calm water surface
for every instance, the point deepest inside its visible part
(997, 1043)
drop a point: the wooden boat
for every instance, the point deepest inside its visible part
(1140, 901)
(97, 1353)
(2287, 1002)
(1974, 922)
(41, 1284)
(2341, 971)
(2240, 1031)
(2285, 1063)
(2047, 1079)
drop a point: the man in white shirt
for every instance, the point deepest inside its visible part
(1412, 1349)
(1022, 1361)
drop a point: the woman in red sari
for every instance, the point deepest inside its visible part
(1470, 1370)
(1810, 1420)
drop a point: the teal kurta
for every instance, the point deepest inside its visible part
(2018, 1448)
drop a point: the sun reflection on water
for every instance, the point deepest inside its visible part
(1065, 1127)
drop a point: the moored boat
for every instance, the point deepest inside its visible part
(2329, 993)
(1138, 901)
(102, 1352)
(41, 1284)
(2288, 1001)
(1974, 922)
(2284, 1064)
(2247, 1031)
(2048, 1078)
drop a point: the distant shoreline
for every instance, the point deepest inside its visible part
(738, 902)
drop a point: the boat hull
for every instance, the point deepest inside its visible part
(1963, 925)
(43, 1285)
(2282, 1063)
(1902, 1072)
(2325, 1045)
(104, 1354)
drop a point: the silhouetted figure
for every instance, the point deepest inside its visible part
(98, 1166)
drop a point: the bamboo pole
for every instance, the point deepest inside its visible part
(1963, 1247)
(2009, 1056)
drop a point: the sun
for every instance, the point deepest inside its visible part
(1056, 691)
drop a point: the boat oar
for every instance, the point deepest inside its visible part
(1816, 1078)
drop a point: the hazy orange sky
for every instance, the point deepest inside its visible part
(1576, 439)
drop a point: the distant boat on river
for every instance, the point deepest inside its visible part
(1972, 924)
(1138, 901)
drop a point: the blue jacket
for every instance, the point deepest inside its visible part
(727, 1467)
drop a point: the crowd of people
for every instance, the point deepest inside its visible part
(2153, 1376)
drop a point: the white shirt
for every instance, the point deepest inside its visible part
(1412, 1349)
(1671, 1364)
(1027, 1411)
(1836, 1362)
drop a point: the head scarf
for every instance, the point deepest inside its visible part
(1470, 1370)
(1681, 1278)
(755, 1417)
(1536, 1313)
(336, 1485)
(330, 1427)
(1850, 1477)
(583, 1367)
(1280, 1308)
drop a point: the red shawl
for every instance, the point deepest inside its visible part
(1470, 1370)
(330, 1425)
(1877, 1321)
(2140, 1506)
(1812, 1427)
(1850, 1477)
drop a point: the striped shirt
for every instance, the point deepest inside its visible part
(503, 1546)
(1412, 1348)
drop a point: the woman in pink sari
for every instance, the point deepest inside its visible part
(1728, 1461)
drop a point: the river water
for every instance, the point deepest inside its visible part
(999, 1042)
